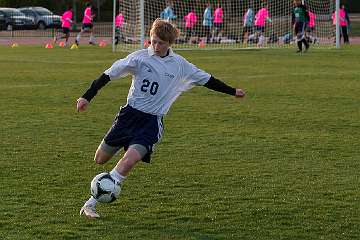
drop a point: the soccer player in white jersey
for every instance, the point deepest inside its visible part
(159, 77)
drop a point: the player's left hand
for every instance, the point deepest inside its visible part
(239, 93)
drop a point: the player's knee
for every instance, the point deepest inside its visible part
(99, 160)
(101, 157)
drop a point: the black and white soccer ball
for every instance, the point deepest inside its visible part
(104, 188)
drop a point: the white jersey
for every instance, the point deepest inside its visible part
(156, 82)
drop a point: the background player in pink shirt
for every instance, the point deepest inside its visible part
(311, 28)
(218, 22)
(190, 22)
(66, 19)
(261, 17)
(343, 24)
(119, 22)
(87, 24)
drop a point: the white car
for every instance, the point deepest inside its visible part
(43, 17)
(12, 19)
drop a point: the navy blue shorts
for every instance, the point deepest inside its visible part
(218, 25)
(65, 30)
(260, 29)
(132, 127)
(87, 26)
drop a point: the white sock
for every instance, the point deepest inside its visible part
(78, 37)
(117, 176)
(91, 202)
(92, 39)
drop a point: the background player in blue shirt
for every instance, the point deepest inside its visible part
(208, 22)
(168, 12)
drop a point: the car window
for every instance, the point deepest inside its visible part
(28, 12)
(43, 12)
(14, 12)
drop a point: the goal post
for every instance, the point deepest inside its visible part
(337, 12)
(113, 27)
(223, 24)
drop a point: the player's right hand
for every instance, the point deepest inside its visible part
(239, 93)
(81, 104)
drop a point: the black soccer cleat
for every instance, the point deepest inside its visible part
(307, 48)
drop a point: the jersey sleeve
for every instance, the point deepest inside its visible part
(194, 76)
(122, 67)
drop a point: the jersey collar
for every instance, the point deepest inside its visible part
(151, 52)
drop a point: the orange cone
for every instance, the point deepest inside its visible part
(49, 45)
(201, 44)
(61, 44)
(102, 44)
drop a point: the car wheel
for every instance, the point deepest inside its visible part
(9, 27)
(41, 25)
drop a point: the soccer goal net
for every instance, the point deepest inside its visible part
(221, 24)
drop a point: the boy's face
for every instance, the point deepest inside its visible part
(160, 47)
(297, 2)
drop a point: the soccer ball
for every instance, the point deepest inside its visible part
(104, 188)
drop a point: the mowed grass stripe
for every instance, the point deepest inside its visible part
(282, 163)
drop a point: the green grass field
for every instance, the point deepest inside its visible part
(281, 164)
